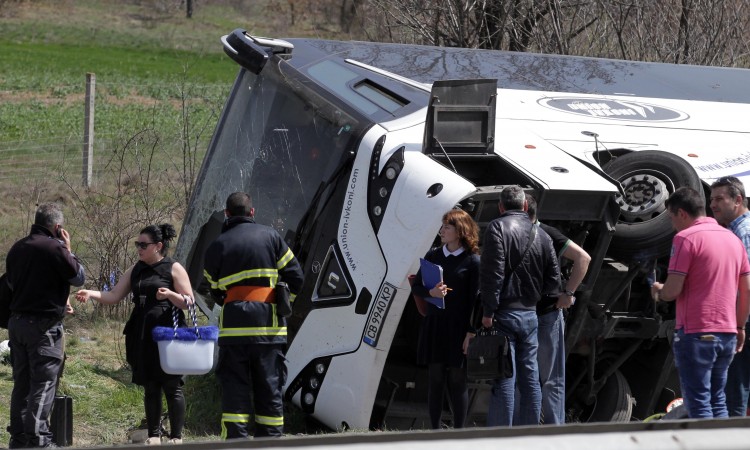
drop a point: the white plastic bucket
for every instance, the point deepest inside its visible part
(186, 357)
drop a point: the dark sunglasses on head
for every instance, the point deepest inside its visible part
(143, 245)
(727, 180)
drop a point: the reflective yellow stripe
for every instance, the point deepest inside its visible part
(232, 417)
(210, 280)
(252, 331)
(269, 421)
(271, 274)
(284, 260)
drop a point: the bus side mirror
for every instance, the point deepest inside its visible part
(244, 50)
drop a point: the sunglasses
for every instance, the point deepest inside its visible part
(143, 245)
(727, 180)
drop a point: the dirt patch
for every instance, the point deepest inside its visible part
(25, 9)
(45, 98)
(48, 98)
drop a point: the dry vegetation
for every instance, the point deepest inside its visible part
(163, 80)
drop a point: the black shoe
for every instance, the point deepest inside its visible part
(17, 443)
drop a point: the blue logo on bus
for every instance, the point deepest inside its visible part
(613, 109)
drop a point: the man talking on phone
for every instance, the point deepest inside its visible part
(40, 270)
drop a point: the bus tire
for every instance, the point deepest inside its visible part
(648, 178)
(614, 402)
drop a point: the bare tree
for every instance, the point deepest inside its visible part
(348, 15)
(680, 31)
(199, 111)
(131, 194)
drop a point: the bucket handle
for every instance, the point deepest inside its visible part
(191, 313)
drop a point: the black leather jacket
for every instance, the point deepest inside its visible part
(538, 274)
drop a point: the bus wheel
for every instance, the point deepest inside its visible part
(648, 178)
(614, 402)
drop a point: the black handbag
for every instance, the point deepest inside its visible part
(61, 421)
(488, 356)
(6, 295)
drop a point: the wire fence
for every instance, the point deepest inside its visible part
(21, 164)
(149, 142)
(179, 117)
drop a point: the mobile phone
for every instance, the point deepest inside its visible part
(59, 232)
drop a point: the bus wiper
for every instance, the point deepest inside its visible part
(304, 228)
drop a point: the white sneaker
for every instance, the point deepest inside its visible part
(155, 440)
(174, 441)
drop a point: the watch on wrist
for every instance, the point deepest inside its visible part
(569, 293)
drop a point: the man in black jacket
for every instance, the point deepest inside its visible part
(243, 266)
(518, 267)
(41, 269)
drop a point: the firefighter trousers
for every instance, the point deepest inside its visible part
(251, 369)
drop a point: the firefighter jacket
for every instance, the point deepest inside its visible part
(248, 255)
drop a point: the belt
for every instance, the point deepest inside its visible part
(250, 294)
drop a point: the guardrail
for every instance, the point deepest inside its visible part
(725, 434)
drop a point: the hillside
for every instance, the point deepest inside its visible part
(161, 81)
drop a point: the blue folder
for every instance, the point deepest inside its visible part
(432, 274)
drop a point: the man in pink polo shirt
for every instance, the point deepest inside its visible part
(707, 268)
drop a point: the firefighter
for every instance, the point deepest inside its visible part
(243, 266)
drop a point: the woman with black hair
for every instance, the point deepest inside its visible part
(158, 284)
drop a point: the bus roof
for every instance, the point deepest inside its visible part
(530, 71)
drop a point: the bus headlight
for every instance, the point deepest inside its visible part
(381, 182)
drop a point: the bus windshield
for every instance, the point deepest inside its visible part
(279, 144)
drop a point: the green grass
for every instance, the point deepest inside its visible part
(107, 407)
(134, 24)
(153, 67)
(44, 88)
(140, 56)
(42, 66)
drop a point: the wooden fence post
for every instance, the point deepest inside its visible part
(88, 131)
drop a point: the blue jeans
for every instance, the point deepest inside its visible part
(522, 328)
(738, 381)
(551, 358)
(702, 360)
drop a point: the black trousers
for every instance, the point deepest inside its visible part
(258, 370)
(36, 352)
(172, 389)
(454, 378)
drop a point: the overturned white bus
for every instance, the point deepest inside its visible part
(354, 150)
